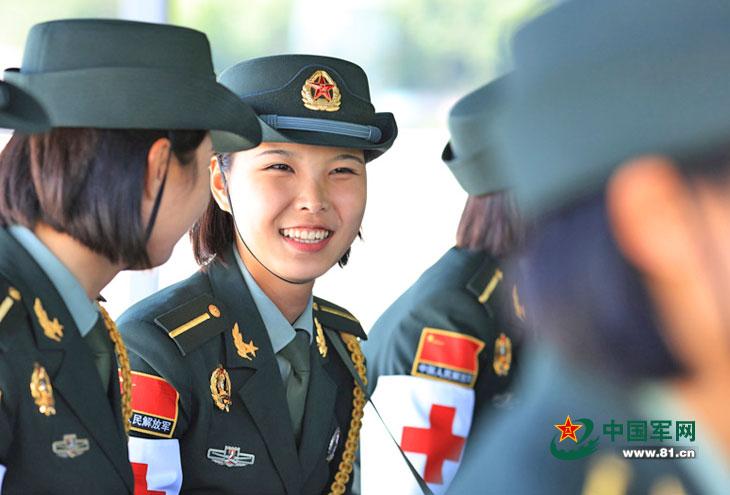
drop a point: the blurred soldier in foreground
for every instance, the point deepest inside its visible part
(618, 144)
(442, 354)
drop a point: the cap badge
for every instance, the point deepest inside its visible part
(320, 93)
(220, 388)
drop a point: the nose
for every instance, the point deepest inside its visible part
(313, 196)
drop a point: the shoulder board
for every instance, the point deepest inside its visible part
(193, 323)
(485, 281)
(337, 318)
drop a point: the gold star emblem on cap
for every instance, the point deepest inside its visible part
(320, 93)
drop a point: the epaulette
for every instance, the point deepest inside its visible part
(193, 323)
(337, 318)
(11, 298)
(485, 281)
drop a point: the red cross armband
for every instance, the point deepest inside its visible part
(430, 419)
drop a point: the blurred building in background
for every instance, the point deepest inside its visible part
(420, 55)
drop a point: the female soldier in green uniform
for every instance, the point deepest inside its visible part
(444, 349)
(246, 382)
(618, 146)
(78, 205)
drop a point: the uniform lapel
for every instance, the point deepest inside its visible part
(70, 365)
(318, 413)
(262, 392)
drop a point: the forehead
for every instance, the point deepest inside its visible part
(304, 152)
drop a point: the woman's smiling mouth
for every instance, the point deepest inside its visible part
(307, 238)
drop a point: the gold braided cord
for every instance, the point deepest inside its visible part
(358, 403)
(123, 360)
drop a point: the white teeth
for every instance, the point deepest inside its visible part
(306, 236)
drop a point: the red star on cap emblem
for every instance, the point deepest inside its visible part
(568, 429)
(322, 88)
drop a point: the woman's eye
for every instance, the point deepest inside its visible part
(280, 166)
(344, 170)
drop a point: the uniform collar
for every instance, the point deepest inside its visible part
(280, 331)
(82, 309)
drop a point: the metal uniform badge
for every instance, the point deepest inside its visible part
(231, 457)
(42, 390)
(70, 446)
(321, 342)
(502, 355)
(245, 350)
(51, 328)
(320, 93)
(220, 388)
(519, 308)
(334, 443)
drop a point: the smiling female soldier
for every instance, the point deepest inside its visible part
(78, 205)
(253, 377)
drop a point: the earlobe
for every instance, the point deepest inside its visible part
(649, 209)
(218, 185)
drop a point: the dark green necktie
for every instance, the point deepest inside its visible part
(101, 349)
(297, 353)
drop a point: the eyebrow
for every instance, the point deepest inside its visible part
(277, 152)
(348, 156)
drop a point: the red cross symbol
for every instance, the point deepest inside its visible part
(140, 480)
(437, 442)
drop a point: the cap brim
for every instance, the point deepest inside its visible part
(139, 98)
(22, 112)
(383, 121)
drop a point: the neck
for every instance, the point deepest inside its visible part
(291, 299)
(93, 271)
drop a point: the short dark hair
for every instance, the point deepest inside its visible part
(491, 223)
(87, 183)
(213, 233)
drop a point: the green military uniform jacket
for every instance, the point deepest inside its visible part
(177, 339)
(81, 445)
(441, 355)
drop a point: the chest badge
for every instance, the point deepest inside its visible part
(220, 388)
(51, 328)
(231, 457)
(70, 446)
(334, 443)
(42, 391)
(502, 355)
(245, 350)
(320, 93)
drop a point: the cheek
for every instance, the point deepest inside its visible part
(351, 202)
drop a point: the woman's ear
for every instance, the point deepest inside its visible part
(218, 185)
(650, 212)
(158, 160)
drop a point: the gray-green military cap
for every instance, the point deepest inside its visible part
(20, 111)
(597, 82)
(471, 153)
(311, 99)
(129, 75)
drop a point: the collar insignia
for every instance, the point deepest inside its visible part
(243, 348)
(51, 328)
